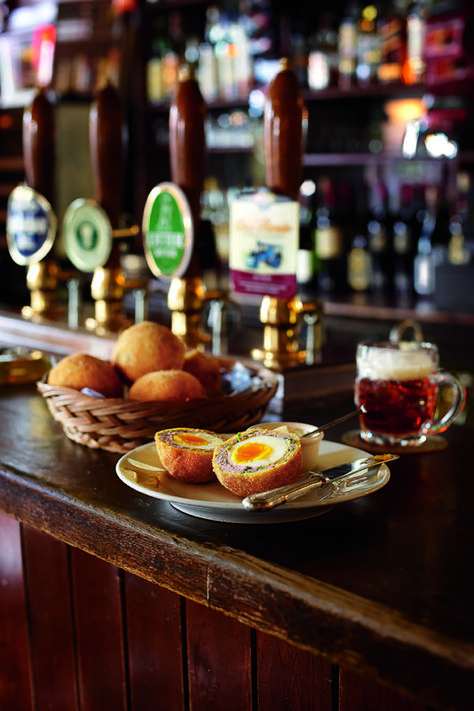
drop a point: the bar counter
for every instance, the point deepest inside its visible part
(368, 606)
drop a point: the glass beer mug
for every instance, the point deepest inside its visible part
(401, 388)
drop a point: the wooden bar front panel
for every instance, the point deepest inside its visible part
(78, 633)
(53, 656)
(15, 670)
(219, 660)
(155, 654)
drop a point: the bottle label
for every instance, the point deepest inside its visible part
(87, 235)
(264, 235)
(31, 225)
(359, 269)
(328, 242)
(168, 234)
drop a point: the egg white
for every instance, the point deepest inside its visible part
(278, 446)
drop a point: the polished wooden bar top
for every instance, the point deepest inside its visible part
(382, 585)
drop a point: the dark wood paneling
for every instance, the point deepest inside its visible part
(360, 694)
(219, 661)
(99, 633)
(15, 677)
(51, 626)
(290, 678)
(154, 646)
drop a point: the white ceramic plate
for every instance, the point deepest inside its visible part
(141, 469)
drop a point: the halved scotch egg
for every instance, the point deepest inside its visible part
(186, 453)
(257, 460)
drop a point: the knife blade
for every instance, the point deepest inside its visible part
(323, 479)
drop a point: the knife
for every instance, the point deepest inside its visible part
(269, 499)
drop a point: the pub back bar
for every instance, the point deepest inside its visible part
(112, 599)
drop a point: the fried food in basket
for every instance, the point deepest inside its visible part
(206, 368)
(81, 370)
(167, 385)
(146, 347)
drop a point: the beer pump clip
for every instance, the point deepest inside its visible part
(168, 241)
(31, 221)
(172, 213)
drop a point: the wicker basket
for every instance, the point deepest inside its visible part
(120, 425)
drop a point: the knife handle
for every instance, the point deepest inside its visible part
(269, 499)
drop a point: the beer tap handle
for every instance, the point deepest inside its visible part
(188, 147)
(106, 146)
(284, 133)
(39, 145)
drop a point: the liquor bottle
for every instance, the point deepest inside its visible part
(328, 240)
(405, 236)
(368, 46)
(359, 264)
(207, 64)
(433, 242)
(414, 70)
(347, 47)
(378, 235)
(305, 256)
(458, 226)
(393, 44)
(173, 54)
(323, 54)
(299, 54)
(154, 69)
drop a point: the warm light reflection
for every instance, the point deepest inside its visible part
(438, 145)
(401, 111)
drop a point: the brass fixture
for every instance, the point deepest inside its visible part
(282, 320)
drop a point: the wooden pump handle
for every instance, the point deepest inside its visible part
(188, 146)
(106, 145)
(39, 145)
(284, 134)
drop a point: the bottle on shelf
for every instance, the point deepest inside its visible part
(459, 223)
(347, 47)
(323, 54)
(393, 44)
(404, 238)
(299, 53)
(172, 54)
(305, 256)
(432, 248)
(414, 70)
(328, 239)
(368, 46)
(154, 69)
(359, 265)
(207, 64)
(378, 235)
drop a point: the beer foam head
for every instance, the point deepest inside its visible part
(407, 361)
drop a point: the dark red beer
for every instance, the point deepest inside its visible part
(396, 409)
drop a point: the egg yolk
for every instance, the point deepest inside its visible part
(250, 451)
(191, 439)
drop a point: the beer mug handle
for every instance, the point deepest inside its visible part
(449, 380)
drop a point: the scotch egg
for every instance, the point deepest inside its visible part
(310, 443)
(257, 460)
(186, 453)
